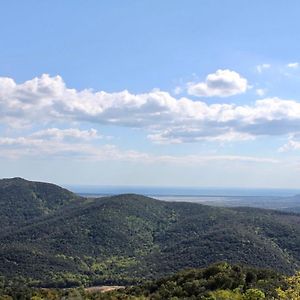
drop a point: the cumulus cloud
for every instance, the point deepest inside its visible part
(262, 67)
(222, 83)
(47, 100)
(293, 65)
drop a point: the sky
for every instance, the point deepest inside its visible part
(152, 93)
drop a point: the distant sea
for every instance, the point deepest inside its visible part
(182, 192)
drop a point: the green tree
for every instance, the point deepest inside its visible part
(292, 292)
(226, 295)
(254, 294)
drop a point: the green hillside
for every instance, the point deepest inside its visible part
(68, 241)
(22, 201)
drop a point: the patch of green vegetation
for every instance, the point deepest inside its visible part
(113, 264)
(217, 282)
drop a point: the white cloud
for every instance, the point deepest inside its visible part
(293, 143)
(38, 145)
(290, 145)
(188, 135)
(70, 133)
(262, 67)
(178, 90)
(192, 159)
(52, 141)
(261, 92)
(222, 83)
(46, 100)
(293, 65)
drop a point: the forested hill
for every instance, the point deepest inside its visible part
(55, 238)
(22, 200)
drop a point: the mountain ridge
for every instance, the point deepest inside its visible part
(129, 237)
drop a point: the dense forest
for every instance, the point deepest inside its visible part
(217, 282)
(52, 238)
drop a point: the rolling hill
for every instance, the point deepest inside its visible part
(52, 237)
(22, 201)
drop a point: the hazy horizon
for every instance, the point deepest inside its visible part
(180, 190)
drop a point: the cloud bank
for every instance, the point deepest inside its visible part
(47, 100)
(57, 143)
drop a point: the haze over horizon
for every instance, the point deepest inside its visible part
(151, 93)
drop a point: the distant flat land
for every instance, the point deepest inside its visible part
(283, 203)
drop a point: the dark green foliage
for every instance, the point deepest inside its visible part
(22, 201)
(56, 239)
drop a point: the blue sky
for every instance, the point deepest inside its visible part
(176, 93)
